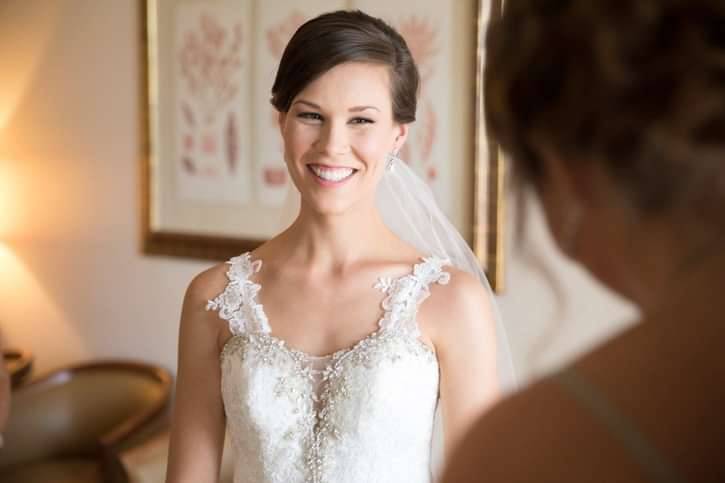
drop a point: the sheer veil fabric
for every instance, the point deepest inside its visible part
(410, 210)
(408, 207)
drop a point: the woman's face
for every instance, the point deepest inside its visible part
(337, 134)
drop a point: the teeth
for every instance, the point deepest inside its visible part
(332, 174)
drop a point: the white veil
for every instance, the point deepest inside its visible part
(409, 209)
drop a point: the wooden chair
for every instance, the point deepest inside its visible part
(70, 425)
(18, 365)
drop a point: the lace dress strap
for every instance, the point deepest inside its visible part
(406, 293)
(237, 304)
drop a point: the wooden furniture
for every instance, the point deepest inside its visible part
(18, 364)
(70, 425)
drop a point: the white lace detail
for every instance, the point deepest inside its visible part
(405, 294)
(369, 418)
(237, 304)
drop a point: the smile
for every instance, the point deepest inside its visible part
(329, 175)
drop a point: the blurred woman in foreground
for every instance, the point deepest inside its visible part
(613, 114)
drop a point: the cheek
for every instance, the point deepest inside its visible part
(371, 146)
(298, 140)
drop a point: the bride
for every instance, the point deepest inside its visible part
(326, 353)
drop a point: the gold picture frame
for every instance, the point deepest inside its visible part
(195, 224)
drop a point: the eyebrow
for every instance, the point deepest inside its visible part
(352, 109)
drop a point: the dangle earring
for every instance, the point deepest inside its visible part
(391, 159)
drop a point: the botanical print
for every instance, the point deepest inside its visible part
(212, 156)
(279, 35)
(420, 35)
(271, 172)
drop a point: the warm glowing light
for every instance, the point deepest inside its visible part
(23, 48)
(8, 197)
(31, 319)
(12, 86)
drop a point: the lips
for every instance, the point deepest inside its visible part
(331, 174)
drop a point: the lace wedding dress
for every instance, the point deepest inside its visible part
(362, 415)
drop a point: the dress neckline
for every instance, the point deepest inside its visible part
(383, 283)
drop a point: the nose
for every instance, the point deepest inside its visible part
(333, 139)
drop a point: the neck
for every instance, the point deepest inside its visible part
(680, 275)
(334, 242)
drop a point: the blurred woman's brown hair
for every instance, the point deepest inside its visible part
(638, 86)
(613, 111)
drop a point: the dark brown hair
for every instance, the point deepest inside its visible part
(636, 85)
(343, 36)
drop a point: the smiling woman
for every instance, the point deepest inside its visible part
(337, 134)
(337, 371)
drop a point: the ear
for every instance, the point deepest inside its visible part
(401, 136)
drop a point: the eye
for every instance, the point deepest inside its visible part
(361, 120)
(310, 116)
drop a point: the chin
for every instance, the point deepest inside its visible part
(336, 201)
(328, 207)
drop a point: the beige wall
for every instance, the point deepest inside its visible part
(556, 313)
(73, 284)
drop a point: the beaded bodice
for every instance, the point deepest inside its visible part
(363, 414)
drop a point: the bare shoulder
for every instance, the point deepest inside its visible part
(462, 307)
(207, 284)
(198, 323)
(546, 428)
(462, 288)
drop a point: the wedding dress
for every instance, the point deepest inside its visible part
(365, 414)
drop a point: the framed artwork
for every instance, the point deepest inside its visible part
(214, 178)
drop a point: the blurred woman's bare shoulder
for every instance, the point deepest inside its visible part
(539, 424)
